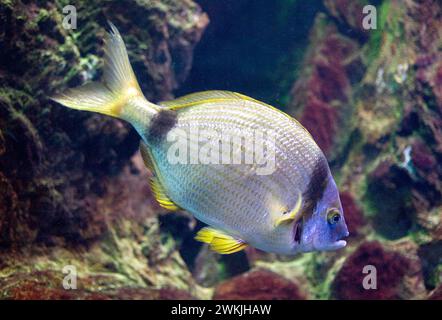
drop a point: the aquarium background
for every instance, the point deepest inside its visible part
(74, 192)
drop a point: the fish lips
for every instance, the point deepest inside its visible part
(306, 239)
(339, 244)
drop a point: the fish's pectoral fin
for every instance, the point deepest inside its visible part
(293, 215)
(219, 241)
(155, 185)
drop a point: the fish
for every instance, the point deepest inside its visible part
(252, 173)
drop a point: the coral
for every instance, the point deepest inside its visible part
(47, 285)
(391, 268)
(354, 216)
(436, 294)
(258, 285)
(322, 91)
(321, 121)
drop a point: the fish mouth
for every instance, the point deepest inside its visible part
(339, 243)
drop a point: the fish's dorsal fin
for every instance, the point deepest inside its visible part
(155, 184)
(294, 215)
(219, 241)
(218, 96)
(202, 97)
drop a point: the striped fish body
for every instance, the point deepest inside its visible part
(251, 172)
(236, 198)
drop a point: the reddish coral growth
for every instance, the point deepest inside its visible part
(48, 285)
(329, 82)
(320, 119)
(349, 12)
(381, 171)
(353, 214)
(436, 294)
(422, 157)
(390, 266)
(438, 87)
(258, 285)
(174, 294)
(325, 89)
(150, 294)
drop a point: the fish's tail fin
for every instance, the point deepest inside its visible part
(118, 86)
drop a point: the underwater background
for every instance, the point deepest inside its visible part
(74, 190)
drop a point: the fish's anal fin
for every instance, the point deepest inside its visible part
(157, 189)
(147, 158)
(160, 195)
(219, 241)
(294, 215)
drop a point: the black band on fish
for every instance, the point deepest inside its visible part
(317, 185)
(161, 124)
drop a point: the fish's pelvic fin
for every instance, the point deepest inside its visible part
(157, 189)
(219, 241)
(118, 85)
(293, 215)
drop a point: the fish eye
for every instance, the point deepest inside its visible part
(333, 216)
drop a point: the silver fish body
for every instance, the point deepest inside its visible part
(278, 196)
(233, 197)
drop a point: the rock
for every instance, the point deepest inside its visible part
(388, 188)
(350, 15)
(73, 182)
(258, 285)
(211, 268)
(431, 256)
(46, 285)
(436, 294)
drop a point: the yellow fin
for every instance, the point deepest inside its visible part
(157, 189)
(147, 158)
(197, 98)
(293, 215)
(160, 195)
(200, 97)
(219, 241)
(118, 85)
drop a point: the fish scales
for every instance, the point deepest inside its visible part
(208, 206)
(280, 133)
